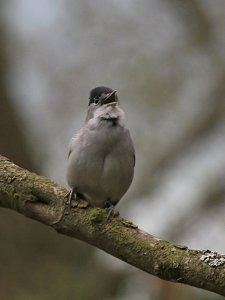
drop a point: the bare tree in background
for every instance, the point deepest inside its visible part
(166, 59)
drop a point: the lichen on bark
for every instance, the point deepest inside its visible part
(43, 200)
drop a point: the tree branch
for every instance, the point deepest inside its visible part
(41, 199)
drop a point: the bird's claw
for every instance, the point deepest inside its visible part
(110, 211)
(71, 196)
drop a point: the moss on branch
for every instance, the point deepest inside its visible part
(43, 200)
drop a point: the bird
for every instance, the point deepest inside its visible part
(101, 158)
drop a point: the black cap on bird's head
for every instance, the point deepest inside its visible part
(102, 95)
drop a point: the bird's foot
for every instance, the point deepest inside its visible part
(110, 208)
(71, 195)
(111, 211)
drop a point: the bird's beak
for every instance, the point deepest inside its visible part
(109, 98)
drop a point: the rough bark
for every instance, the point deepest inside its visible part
(43, 200)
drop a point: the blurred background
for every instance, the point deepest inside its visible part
(166, 59)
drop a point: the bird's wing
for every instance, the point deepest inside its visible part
(131, 146)
(134, 158)
(71, 144)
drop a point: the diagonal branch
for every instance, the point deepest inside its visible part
(41, 199)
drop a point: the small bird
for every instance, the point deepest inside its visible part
(101, 158)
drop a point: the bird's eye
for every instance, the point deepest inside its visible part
(96, 100)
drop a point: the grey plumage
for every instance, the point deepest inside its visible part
(101, 155)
